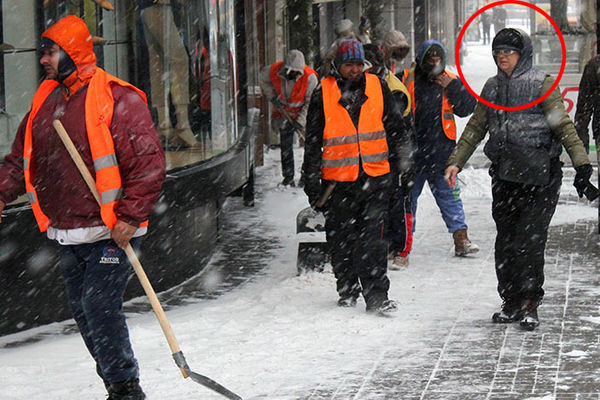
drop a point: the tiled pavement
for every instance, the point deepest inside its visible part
(474, 359)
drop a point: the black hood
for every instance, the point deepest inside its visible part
(525, 62)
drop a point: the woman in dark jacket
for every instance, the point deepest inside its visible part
(524, 147)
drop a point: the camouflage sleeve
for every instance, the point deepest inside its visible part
(561, 124)
(474, 133)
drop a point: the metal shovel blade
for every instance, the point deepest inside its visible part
(204, 380)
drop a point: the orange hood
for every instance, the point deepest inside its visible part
(73, 36)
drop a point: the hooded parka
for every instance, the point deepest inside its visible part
(108, 120)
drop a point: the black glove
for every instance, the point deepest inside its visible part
(313, 191)
(582, 178)
(277, 102)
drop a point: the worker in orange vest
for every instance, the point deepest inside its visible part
(109, 123)
(436, 96)
(289, 85)
(354, 139)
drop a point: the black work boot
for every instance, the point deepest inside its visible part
(380, 304)
(510, 312)
(128, 390)
(346, 301)
(288, 181)
(529, 320)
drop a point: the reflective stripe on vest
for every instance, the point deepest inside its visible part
(99, 107)
(343, 145)
(294, 104)
(448, 124)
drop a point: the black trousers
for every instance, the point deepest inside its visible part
(355, 233)
(286, 140)
(400, 221)
(522, 214)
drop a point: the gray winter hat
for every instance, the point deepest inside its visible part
(343, 26)
(293, 61)
(393, 39)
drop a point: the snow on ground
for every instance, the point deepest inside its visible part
(281, 336)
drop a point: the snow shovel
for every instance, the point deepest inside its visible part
(141, 274)
(313, 250)
(292, 122)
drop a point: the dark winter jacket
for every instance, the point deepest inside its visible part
(588, 102)
(434, 147)
(397, 133)
(62, 193)
(540, 128)
(526, 128)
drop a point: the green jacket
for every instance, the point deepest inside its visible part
(561, 124)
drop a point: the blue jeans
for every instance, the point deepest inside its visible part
(95, 276)
(447, 199)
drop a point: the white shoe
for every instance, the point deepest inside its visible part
(398, 263)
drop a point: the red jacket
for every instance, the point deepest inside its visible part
(62, 192)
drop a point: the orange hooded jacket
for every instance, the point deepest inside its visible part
(73, 36)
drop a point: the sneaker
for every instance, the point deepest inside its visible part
(529, 320)
(128, 390)
(510, 312)
(462, 244)
(347, 302)
(398, 263)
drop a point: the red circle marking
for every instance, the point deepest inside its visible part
(560, 72)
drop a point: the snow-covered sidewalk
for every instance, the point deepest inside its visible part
(281, 336)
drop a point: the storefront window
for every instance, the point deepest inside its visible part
(181, 54)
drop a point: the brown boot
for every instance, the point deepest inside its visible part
(462, 244)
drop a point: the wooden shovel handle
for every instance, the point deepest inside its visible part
(133, 259)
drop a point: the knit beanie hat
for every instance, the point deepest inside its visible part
(509, 39)
(349, 51)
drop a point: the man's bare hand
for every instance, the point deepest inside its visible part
(122, 233)
(450, 175)
(443, 80)
(2, 205)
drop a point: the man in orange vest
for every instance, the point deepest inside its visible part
(354, 140)
(436, 95)
(109, 123)
(289, 85)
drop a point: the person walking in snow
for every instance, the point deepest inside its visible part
(110, 124)
(288, 84)
(486, 25)
(354, 136)
(399, 226)
(436, 95)
(588, 104)
(524, 148)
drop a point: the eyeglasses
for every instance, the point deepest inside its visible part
(503, 52)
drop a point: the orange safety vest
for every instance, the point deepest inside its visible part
(343, 145)
(294, 104)
(99, 107)
(448, 124)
